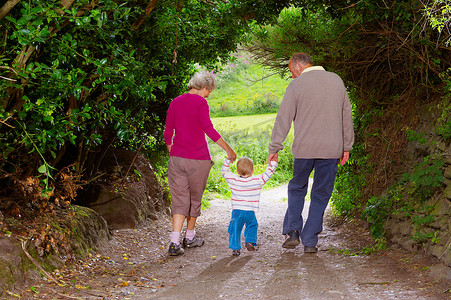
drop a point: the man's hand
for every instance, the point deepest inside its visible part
(273, 157)
(169, 148)
(344, 158)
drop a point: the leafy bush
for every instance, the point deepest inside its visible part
(408, 198)
(78, 77)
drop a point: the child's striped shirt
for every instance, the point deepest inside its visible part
(245, 191)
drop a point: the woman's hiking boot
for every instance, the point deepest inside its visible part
(175, 250)
(195, 242)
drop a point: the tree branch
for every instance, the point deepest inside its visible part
(66, 3)
(150, 7)
(4, 122)
(23, 243)
(4, 10)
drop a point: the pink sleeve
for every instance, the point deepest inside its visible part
(205, 121)
(169, 127)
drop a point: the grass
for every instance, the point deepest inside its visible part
(246, 88)
(244, 123)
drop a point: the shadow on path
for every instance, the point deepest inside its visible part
(211, 279)
(300, 275)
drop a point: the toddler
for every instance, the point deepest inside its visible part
(245, 193)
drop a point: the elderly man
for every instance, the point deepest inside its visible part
(317, 104)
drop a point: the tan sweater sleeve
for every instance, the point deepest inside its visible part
(348, 128)
(284, 119)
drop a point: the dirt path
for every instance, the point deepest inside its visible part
(136, 266)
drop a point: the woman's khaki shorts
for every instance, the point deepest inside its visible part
(187, 181)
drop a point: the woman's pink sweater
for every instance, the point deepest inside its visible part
(187, 122)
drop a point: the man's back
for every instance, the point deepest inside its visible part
(318, 105)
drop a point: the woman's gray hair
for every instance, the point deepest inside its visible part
(202, 80)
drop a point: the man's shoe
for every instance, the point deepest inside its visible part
(250, 246)
(292, 240)
(311, 249)
(195, 242)
(236, 252)
(175, 250)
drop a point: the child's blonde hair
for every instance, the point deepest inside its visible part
(245, 166)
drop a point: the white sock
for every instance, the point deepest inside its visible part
(175, 237)
(190, 234)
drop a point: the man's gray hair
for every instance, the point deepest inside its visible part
(301, 58)
(202, 80)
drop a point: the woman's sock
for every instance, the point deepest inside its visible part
(175, 237)
(190, 234)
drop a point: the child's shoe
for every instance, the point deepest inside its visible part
(250, 246)
(236, 252)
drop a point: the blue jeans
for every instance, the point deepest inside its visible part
(323, 185)
(238, 220)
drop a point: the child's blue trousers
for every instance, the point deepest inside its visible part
(238, 220)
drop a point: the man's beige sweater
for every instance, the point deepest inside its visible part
(317, 104)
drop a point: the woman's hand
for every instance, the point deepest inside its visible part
(231, 155)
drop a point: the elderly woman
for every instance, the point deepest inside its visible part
(187, 123)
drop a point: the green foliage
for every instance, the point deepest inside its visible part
(444, 121)
(81, 77)
(379, 244)
(245, 122)
(438, 13)
(371, 45)
(77, 80)
(298, 29)
(87, 78)
(408, 198)
(426, 177)
(378, 209)
(415, 136)
(350, 182)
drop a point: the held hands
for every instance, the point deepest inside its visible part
(231, 155)
(273, 157)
